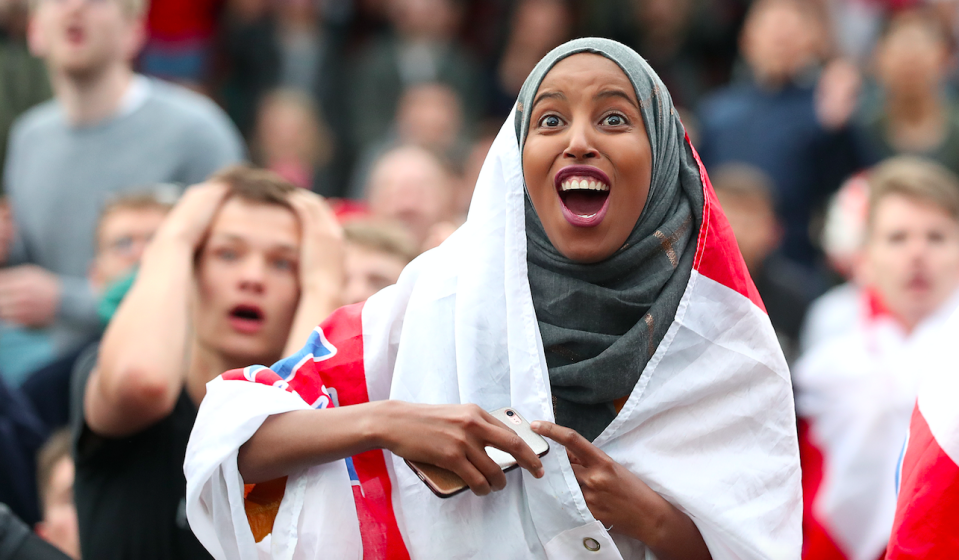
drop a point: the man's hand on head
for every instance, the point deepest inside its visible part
(29, 295)
(321, 245)
(190, 219)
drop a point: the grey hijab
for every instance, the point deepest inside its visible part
(601, 323)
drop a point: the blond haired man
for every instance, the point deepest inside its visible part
(855, 393)
(107, 130)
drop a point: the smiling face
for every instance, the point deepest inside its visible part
(247, 284)
(587, 160)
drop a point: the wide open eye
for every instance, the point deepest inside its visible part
(615, 119)
(550, 121)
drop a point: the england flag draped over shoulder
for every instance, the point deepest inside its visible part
(710, 425)
(927, 514)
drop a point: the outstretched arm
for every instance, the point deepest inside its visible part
(623, 502)
(142, 364)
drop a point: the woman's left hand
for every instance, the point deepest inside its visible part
(622, 502)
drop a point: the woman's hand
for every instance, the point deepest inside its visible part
(624, 503)
(454, 437)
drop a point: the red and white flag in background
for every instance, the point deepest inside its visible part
(927, 514)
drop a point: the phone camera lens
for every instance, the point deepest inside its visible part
(510, 413)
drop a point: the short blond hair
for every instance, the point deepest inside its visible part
(916, 178)
(132, 8)
(382, 237)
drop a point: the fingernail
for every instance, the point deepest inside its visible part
(540, 472)
(535, 424)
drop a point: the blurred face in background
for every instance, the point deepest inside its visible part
(911, 59)
(430, 115)
(247, 286)
(912, 256)
(368, 271)
(123, 235)
(424, 20)
(541, 25)
(410, 186)
(81, 38)
(59, 526)
(779, 40)
(754, 224)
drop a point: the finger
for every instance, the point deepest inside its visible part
(499, 436)
(488, 467)
(571, 440)
(473, 478)
(573, 459)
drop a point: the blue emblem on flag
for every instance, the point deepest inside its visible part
(317, 348)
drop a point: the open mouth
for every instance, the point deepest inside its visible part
(583, 193)
(247, 319)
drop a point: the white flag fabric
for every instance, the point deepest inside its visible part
(710, 425)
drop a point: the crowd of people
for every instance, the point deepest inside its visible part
(191, 186)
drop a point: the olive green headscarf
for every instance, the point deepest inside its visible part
(601, 323)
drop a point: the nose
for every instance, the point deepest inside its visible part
(253, 274)
(580, 146)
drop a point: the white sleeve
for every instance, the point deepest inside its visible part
(317, 514)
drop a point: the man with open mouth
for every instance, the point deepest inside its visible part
(240, 272)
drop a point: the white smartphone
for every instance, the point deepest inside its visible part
(445, 483)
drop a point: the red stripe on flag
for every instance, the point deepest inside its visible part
(927, 514)
(717, 254)
(374, 503)
(817, 543)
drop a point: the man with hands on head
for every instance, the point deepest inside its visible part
(241, 271)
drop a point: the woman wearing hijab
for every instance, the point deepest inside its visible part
(595, 288)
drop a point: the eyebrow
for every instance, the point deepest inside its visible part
(617, 93)
(548, 95)
(234, 238)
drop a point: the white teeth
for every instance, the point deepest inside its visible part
(583, 183)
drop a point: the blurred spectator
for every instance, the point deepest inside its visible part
(781, 120)
(55, 473)
(23, 79)
(287, 44)
(690, 43)
(785, 287)
(855, 394)
(915, 117)
(421, 48)
(429, 115)
(411, 186)
(240, 273)
(21, 435)
(376, 254)
(179, 36)
(536, 27)
(840, 309)
(292, 140)
(126, 225)
(108, 130)
(17, 542)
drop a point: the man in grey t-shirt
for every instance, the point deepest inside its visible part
(107, 130)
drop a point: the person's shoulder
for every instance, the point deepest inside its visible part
(39, 119)
(178, 102)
